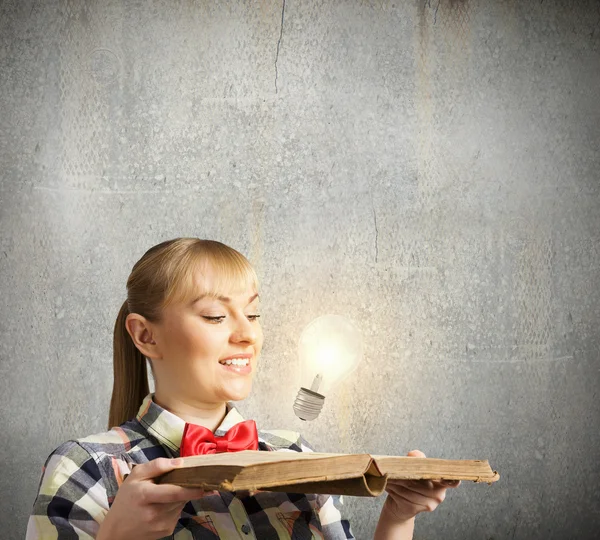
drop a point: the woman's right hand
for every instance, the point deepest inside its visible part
(143, 510)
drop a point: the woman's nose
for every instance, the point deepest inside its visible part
(244, 330)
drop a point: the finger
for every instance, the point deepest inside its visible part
(173, 508)
(416, 453)
(415, 499)
(170, 493)
(449, 483)
(154, 468)
(419, 485)
(427, 484)
(429, 500)
(424, 484)
(425, 488)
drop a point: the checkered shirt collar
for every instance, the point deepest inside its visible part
(168, 428)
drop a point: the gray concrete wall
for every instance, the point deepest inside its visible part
(427, 168)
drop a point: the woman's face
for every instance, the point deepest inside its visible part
(196, 338)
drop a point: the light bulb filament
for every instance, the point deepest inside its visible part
(316, 383)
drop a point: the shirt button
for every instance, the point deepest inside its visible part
(245, 528)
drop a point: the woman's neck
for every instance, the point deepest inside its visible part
(209, 415)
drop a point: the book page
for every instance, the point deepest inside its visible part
(255, 457)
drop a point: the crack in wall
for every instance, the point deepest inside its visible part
(279, 43)
(436, 10)
(376, 232)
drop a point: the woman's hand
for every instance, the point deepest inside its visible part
(406, 498)
(143, 510)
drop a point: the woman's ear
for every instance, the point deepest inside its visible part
(140, 331)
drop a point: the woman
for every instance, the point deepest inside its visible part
(192, 312)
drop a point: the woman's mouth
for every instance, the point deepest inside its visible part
(241, 366)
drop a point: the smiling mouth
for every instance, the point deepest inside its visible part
(236, 362)
(237, 366)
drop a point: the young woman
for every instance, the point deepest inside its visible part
(192, 312)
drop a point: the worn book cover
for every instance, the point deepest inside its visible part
(362, 475)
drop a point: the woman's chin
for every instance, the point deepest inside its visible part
(239, 392)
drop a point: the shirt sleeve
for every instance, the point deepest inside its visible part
(71, 501)
(330, 509)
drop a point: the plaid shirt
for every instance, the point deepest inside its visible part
(81, 477)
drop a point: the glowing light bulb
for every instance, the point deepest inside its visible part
(330, 348)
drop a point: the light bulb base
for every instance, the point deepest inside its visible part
(308, 404)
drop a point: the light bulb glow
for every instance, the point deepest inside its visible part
(330, 346)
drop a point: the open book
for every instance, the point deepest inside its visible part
(314, 472)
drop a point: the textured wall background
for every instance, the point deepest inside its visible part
(427, 168)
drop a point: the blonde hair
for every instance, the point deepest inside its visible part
(166, 274)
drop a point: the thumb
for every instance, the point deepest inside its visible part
(416, 453)
(154, 468)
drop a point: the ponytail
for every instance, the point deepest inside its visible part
(130, 385)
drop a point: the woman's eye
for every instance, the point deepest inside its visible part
(220, 318)
(215, 319)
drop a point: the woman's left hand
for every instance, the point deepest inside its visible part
(407, 498)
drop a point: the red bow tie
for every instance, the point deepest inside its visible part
(200, 440)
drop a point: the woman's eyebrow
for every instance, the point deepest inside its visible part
(221, 298)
